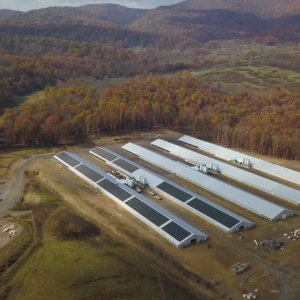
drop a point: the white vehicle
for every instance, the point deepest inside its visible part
(138, 189)
(151, 192)
(157, 197)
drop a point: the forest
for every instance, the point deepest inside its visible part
(266, 124)
(227, 75)
(29, 64)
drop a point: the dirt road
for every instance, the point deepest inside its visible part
(16, 183)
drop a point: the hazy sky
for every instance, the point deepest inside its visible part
(26, 5)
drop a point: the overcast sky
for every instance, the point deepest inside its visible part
(25, 5)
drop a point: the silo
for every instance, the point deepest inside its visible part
(131, 182)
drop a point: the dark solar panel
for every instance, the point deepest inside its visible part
(174, 191)
(176, 231)
(89, 173)
(148, 212)
(114, 189)
(101, 152)
(68, 159)
(125, 165)
(213, 213)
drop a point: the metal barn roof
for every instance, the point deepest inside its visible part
(172, 228)
(255, 163)
(215, 214)
(239, 174)
(256, 204)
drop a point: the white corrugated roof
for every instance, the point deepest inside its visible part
(229, 192)
(259, 182)
(154, 180)
(170, 216)
(256, 163)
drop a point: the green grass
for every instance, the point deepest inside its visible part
(251, 78)
(29, 152)
(79, 270)
(248, 68)
(6, 162)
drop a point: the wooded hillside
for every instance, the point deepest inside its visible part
(263, 8)
(266, 123)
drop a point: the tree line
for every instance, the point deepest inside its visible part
(266, 123)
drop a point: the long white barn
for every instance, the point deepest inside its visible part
(249, 201)
(255, 163)
(213, 213)
(169, 226)
(264, 184)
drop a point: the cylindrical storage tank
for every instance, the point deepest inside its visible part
(141, 179)
(131, 182)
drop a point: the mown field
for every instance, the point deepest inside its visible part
(251, 68)
(73, 259)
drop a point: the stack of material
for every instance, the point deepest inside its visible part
(272, 244)
(239, 268)
(247, 275)
(297, 233)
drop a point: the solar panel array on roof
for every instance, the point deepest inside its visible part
(213, 213)
(140, 206)
(89, 173)
(174, 191)
(125, 165)
(68, 159)
(260, 206)
(148, 212)
(176, 231)
(114, 189)
(104, 154)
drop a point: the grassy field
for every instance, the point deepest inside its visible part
(6, 161)
(81, 270)
(250, 78)
(30, 151)
(87, 263)
(246, 69)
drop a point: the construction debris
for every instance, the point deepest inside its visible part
(296, 233)
(272, 244)
(239, 268)
(247, 275)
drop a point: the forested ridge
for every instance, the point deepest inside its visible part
(266, 123)
(75, 53)
(29, 64)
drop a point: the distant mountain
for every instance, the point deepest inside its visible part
(182, 25)
(201, 25)
(262, 8)
(105, 12)
(7, 14)
(115, 13)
